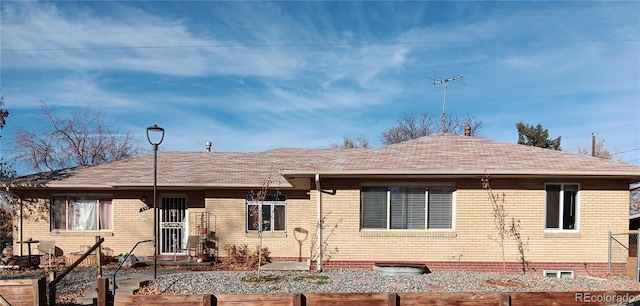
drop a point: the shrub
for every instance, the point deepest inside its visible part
(243, 257)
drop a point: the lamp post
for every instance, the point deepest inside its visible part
(155, 129)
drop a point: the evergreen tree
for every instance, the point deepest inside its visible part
(536, 137)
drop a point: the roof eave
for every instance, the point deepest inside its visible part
(195, 185)
(458, 173)
(140, 186)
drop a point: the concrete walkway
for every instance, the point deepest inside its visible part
(126, 284)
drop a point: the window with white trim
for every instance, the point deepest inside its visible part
(558, 273)
(406, 208)
(81, 213)
(274, 213)
(561, 206)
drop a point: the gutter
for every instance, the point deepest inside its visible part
(319, 190)
(479, 172)
(143, 185)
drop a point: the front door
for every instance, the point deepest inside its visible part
(172, 224)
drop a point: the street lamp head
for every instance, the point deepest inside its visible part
(155, 129)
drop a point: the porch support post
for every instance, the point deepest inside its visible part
(20, 236)
(637, 271)
(319, 190)
(609, 255)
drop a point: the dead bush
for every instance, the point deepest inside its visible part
(243, 257)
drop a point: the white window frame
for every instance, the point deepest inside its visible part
(426, 215)
(561, 209)
(558, 273)
(67, 197)
(272, 205)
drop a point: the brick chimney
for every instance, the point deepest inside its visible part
(467, 130)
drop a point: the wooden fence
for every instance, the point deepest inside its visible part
(23, 292)
(33, 292)
(589, 298)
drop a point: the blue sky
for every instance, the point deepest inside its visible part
(257, 75)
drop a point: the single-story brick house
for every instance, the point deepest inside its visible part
(420, 201)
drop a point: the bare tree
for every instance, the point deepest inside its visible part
(504, 229)
(82, 138)
(472, 121)
(599, 150)
(327, 252)
(6, 173)
(260, 223)
(410, 126)
(6, 168)
(257, 214)
(3, 114)
(413, 125)
(360, 142)
(499, 217)
(6, 224)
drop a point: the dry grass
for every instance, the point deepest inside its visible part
(508, 283)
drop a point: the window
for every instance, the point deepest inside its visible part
(562, 206)
(406, 208)
(81, 213)
(274, 212)
(558, 274)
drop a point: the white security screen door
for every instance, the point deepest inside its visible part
(172, 224)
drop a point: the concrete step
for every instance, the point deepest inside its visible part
(125, 285)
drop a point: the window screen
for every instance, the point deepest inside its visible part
(374, 207)
(440, 208)
(406, 208)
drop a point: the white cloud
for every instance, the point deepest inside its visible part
(258, 80)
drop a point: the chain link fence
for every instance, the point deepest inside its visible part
(623, 253)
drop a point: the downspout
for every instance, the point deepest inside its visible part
(319, 190)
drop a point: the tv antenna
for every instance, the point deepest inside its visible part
(455, 79)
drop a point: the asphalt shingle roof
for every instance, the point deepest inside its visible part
(438, 154)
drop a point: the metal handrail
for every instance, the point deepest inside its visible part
(53, 283)
(113, 277)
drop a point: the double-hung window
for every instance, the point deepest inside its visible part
(81, 213)
(406, 208)
(562, 206)
(274, 213)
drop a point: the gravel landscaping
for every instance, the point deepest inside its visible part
(346, 280)
(365, 280)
